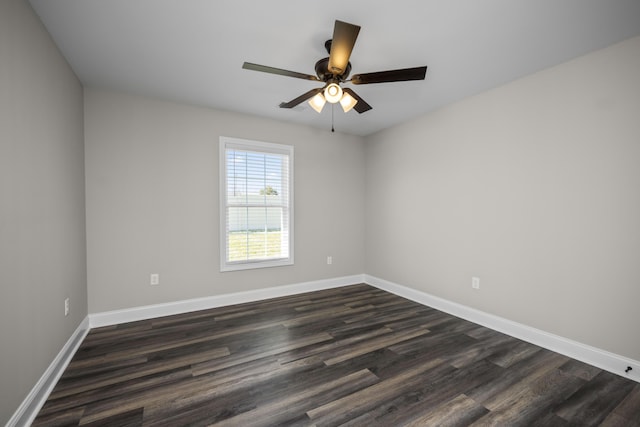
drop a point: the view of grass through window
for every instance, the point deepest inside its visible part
(254, 245)
(256, 205)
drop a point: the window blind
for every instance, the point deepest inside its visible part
(257, 204)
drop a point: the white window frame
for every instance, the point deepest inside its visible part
(261, 147)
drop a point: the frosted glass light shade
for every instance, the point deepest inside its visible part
(317, 102)
(348, 102)
(333, 93)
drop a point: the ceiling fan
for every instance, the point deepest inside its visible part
(335, 69)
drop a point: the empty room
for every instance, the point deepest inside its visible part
(284, 213)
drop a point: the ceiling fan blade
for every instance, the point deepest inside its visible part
(361, 106)
(403, 75)
(280, 71)
(344, 38)
(301, 98)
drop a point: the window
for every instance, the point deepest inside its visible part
(256, 204)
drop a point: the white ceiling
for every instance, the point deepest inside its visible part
(192, 50)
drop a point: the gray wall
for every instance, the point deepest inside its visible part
(152, 201)
(42, 229)
(534, 187)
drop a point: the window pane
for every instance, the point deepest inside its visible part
(256, 204)
(256, 233)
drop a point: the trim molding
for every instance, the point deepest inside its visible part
(31, 405)
(115, 317)
(28, 410)
(602, 359)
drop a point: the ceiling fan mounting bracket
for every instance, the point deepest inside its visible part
(327, 45)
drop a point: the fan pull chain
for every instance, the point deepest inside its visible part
(332, 106)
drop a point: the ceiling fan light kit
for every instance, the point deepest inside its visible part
(317, 102)
(347, 102)
(335, 70)
(332, 93)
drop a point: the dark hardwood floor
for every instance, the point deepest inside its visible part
(353, 356)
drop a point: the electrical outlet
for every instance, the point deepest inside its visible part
(154, 279)
(66, 306)
(475, 282)
(329, 260)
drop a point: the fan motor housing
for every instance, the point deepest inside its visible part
(323, 73)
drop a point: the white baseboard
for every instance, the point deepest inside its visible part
(185, 306)
(28, 410)
(602, 359)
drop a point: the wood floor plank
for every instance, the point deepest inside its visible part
(355, 403)
(376, 343)
(550, 420)
(144, 347)
(321, 314)
(104, 409)
(461, 410)
(479, 350)
(535, 377)
(352, 356)
(73, 374)
(163, 408)
(580, 369)
(330, 348)
(529, 400)
(515, 352)
(354, 325)
(273, 413)
(217, 364)
(591, 404)
(439, 385)
(99, 381)
(132, 418)
(116, 391)
(629, 408)
(433, 344)
(615, 420)
(531, 367)
(65, 417)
